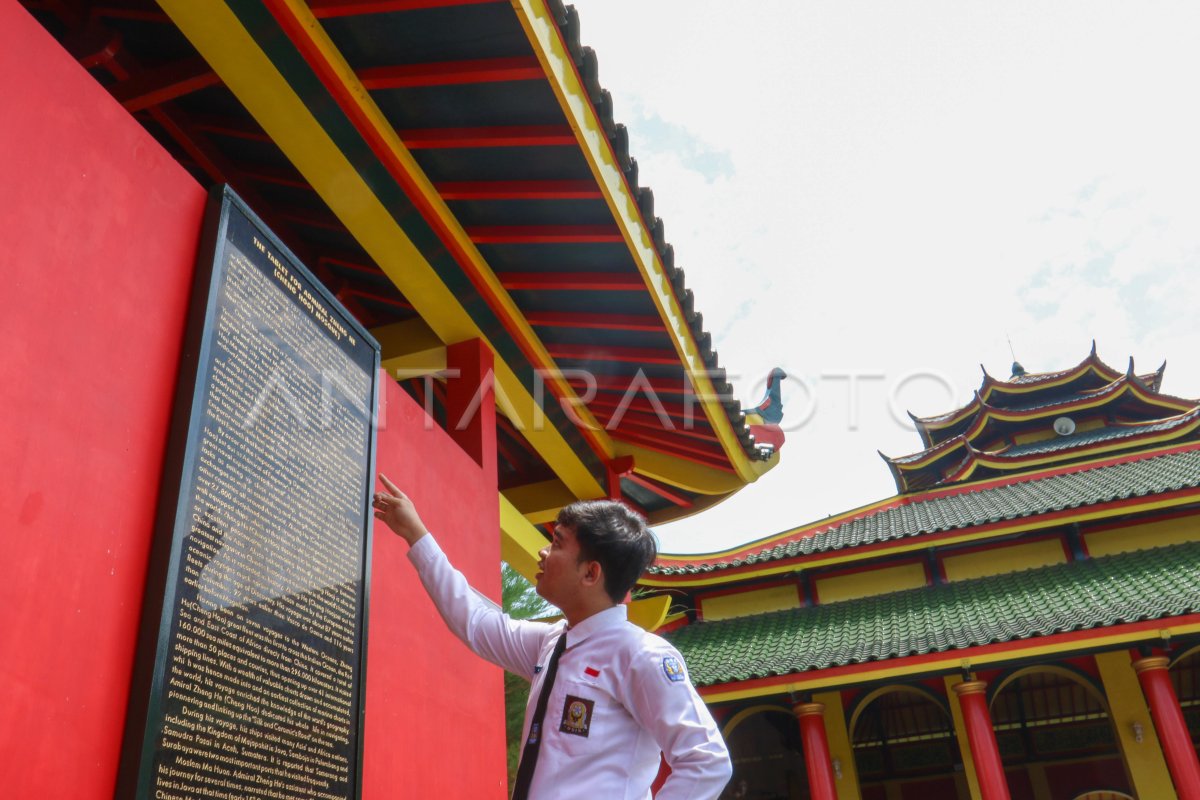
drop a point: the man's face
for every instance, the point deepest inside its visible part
(560, 572)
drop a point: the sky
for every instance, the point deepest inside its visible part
(879, 197)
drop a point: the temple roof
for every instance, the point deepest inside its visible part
(996, 437)
(1026, 390)
(1029, 495)
(1108, 433)
(451, 170)
(1149, 584)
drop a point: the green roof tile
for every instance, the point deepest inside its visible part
(1023, 498)
(1148, 584)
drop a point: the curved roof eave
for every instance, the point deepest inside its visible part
(544, 22)
(305, 140)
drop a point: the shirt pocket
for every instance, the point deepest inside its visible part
(583, 718)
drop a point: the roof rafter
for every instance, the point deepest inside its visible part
(154, 87)
(631, 355)
(448, 73)
(612, 322)
(519, 190)
(573, 281)
(662, 491)
(493, 136)
(544, 234)
(325, 9)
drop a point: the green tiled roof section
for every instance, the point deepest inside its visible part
(1026, 498)
(1149, 584)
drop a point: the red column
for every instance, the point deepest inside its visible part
(816, 750)
(470, 400)
(972, 698)
(1168, 722)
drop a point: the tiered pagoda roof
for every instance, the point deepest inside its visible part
(1032, 420)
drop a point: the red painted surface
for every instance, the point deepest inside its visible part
(982, 740)
(519, 190)
(545, 234)
(942, 788)
(816, 751)
(608, 322)
(1072, 780)
(631, 355)
(1019, 783)
(323, 9)
(662, 490)
(100, 232)
(446, 73)
(1169, 723)
(101, 228)
(577, 282)
(470, 404)
(435, 712)
(506, 136)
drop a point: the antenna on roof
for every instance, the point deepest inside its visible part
(1017, 369)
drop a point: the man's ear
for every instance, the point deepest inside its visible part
(594, 574)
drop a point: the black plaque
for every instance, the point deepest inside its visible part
(250, 673)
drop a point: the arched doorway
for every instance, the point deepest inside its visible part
(768, 761)
(1055, 735)
(904, 746)
(1185, 677)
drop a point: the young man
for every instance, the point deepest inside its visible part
(614, 695)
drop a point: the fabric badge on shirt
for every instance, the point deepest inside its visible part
(577, 716)
(672, 668)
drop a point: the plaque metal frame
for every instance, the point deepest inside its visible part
(145, 709)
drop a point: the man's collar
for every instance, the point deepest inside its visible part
(608, 618)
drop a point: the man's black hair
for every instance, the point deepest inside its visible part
(610, 533)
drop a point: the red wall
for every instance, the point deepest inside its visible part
(435, 712)
(99, 231)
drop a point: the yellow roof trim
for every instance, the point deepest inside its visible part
(905, 545)
(955, 661)
(519, 540)
(547, 42)
(233, 54)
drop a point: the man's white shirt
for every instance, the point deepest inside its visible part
(620, 697)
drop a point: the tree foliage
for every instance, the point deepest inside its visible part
(521, 601)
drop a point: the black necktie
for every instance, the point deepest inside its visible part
(529, 755)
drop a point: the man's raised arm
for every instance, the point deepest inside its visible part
(473, 618)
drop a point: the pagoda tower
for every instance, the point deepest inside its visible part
(1021, 620)
(1029, 421)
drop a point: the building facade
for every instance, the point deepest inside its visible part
(1020, 620)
